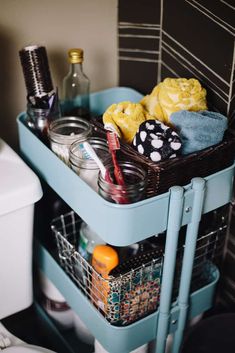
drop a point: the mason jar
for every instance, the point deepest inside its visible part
(135, 184)
(38, 120)
(83, 165)
(64, 131)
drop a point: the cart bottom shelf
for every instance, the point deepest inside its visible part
(119, 339)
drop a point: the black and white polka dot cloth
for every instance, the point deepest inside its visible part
(156, 141)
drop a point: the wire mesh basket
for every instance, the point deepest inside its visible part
(128, 295)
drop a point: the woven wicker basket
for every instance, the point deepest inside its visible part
(179, 170)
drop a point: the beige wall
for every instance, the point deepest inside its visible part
(58, 25)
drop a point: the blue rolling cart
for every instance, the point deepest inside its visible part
(180, 206)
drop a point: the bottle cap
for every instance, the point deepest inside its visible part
(75, 55)
(104, 258)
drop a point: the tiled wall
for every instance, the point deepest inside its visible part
(139, 33)
(198, 41)
(183, 38)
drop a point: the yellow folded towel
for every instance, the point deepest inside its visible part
(175, 94)
(125, 118)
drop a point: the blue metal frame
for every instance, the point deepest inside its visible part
(169, 211)
(173, 227)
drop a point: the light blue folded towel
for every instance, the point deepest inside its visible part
(199, 130)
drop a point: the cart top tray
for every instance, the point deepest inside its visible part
(118, 225)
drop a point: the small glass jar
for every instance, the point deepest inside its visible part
(38, 121)
(135, 184)
(85, 166)
(64, 131)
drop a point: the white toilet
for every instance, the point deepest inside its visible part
(20, 188)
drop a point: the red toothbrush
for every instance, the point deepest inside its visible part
(114, 145)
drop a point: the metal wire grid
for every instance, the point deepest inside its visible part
(135, 294)
(209, 249)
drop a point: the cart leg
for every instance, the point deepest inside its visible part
(173, 227)
(198, 185)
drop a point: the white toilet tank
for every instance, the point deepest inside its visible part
(20, 188)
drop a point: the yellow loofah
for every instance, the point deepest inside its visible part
(125, 118)
(175, 94)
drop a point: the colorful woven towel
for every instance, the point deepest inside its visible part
(124, 118)
(199, 130)
(175, 94)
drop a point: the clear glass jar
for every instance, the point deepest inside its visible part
(83, 165)
(64, 131)
(135, 184)
(37, 120)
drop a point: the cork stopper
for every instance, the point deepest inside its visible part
(75, 56)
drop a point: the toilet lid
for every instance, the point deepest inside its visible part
(26, 349)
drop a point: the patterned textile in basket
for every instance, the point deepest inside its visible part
(179, 170)
(136, 293)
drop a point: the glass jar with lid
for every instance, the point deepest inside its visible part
(64, 131)
(85, 166)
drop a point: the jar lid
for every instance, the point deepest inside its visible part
(68, 129)
(75, 55)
